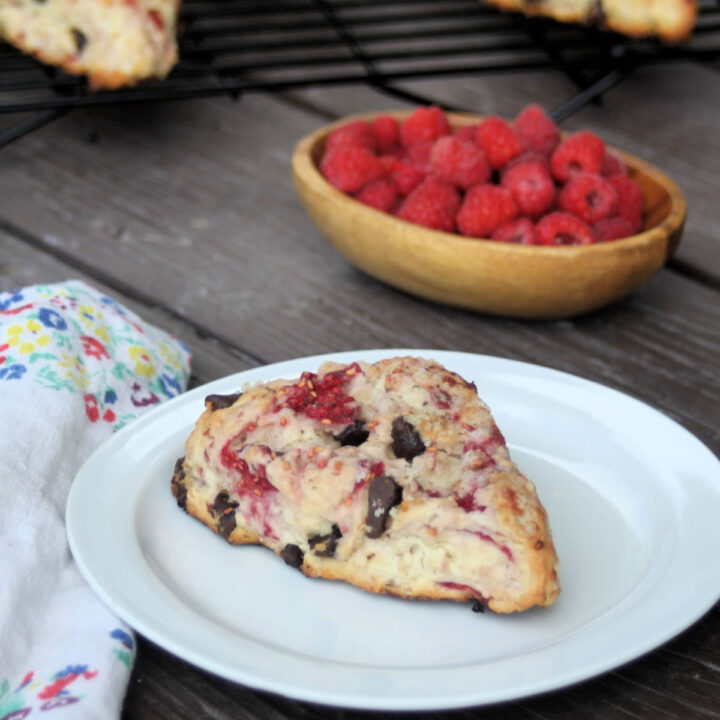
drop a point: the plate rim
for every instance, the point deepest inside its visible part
(363, 701)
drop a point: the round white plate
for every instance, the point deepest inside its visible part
(633, 501)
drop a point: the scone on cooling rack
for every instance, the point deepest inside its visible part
(114, 43)
(391, 476)
(670, 20)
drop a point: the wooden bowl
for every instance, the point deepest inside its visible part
(527, 281)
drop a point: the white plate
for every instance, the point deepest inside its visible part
(633, 501)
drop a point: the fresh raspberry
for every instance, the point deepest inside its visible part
(582, 151)
(459, 162)
(521, 231)
(425, 123)
(419, 155)
(631, 202)
(386, 132)
(589, 196)
(350, 168)
(614, 228)
(467, 132)
(613, 165)
(484, 208)
(406, 177)
(358, 133)
(380, 194)
(527, 157)
(561, 228)
(498, 141)
(433, 204)
(389, 164)
(537, 131)
(532, 188)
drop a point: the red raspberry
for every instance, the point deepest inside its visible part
(358, 133)
(560, 228)
(467, 132)
(389, 163)
(613, 165)
(581, 151)
(459, 162)
(498, 141)
(425, 123)
(537, 131)
(520, 231)
(418, 155)
(589, 196)
(526, 157)
(433, 204)
(350, 168)
(484, 208)
(631, 202)
(386, 132)
(380, 194)
(532, 188)
(614, 228)
(406, 177)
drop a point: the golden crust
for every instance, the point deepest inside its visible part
(670, 20)
(115, 43)
(515, 525)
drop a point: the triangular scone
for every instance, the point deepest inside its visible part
(671, 20)
(114, 42)
(391, 476)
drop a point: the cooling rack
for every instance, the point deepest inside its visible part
(231, 47)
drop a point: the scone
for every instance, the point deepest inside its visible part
(391, 476)
(671, 20)
(114, 42)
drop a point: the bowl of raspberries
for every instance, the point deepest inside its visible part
(505, 217)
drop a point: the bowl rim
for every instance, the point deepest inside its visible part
(306, 169)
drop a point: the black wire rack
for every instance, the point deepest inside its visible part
(229, 47)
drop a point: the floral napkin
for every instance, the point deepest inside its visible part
(75, 366)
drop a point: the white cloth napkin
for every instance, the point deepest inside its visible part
(74, 367)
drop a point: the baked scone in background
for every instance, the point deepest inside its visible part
(114, 43)
(392, 476)
(670, 20)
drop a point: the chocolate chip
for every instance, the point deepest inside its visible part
(479, 607)
(223, 510)
(539, 545)
(354, 434)
(177, 485)
(324, 545)
(406, 440)
(383, 494)
(292, 555)
(220, 402)
(80, 39)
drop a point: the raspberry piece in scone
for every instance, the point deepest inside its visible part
(392, 476)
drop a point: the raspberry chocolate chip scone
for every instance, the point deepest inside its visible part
(391, 476)
(671, 20)
(114, 42)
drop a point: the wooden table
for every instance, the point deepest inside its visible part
(185, 211)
